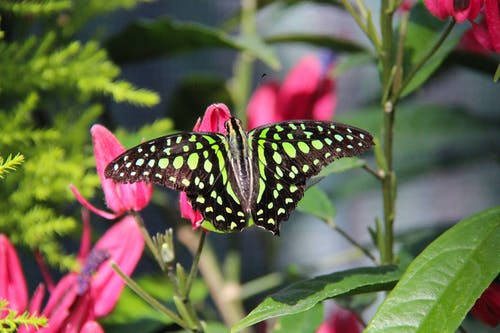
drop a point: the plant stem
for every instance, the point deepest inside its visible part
(389, 179)
(388, 187)
(226, 295)
(352, 241)
(194, 266)
(425, 58)
(148, 298)
(188, 310)
(147, 238)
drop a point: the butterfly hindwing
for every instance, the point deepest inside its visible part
(191, 162)
(217, 202)
(289, 153)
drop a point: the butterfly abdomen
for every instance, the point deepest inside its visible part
(241, 165)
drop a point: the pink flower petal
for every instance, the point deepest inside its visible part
(487, 307)
(438, 8)
(213, 121)
(124, 243)
(214, 118)
(460, 10)
(262, 107)
(36, 299)
(340, 321)
(188, 212)
(119, 197)
(89, 206)
(60, 302)
(12, 283)
(492, 13)
(91, 327)
(482, 35)
(326, 101)
(297, 92)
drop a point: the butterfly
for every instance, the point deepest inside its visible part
(260, 174)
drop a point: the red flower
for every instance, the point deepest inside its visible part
(12, 283)
(461, 10)
(306, 93)
(213, 121)
(340, 321)
(78, 298)
(487, 307)
(487, 31)
(120, 198)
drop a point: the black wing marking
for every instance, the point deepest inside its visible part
(289, 153)
(191, 162)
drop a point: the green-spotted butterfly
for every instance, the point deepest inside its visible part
(260, 174)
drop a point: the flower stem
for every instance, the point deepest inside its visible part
(425, 58)
(147, 238)
(194, 266)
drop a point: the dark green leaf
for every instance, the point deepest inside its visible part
(307, 321)
(441, 284)
(327, 41)
(207, 89)
(423, 32)
(315, 202)
(146, 40)
(303, 295)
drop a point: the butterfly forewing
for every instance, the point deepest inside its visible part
(289, 153)
(190, 162)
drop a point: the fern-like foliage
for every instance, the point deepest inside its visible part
(14, 320)
(52, 89)
(10, 163)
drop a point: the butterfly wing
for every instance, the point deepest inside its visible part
(289, 153)
(191, 162)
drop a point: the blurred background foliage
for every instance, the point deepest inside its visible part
(145, 68)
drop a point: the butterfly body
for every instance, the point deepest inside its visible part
(260, 174)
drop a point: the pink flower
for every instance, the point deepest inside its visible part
(120, 198)
(306, 93)
(487, 31)
(213, 121)
(340, 321)
(406, 5)
(487, 307)
(12, 283)
(461, 10)
(79, 297)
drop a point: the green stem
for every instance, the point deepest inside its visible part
(147, 238)
(372, 172)
(352, 241)
(425, 58)
(386, 29)
(148, 298)
(365, 27)
(388, 74)
(194, 266)
(388, 187)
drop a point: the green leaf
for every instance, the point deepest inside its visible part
(443, 282)
(316, 203)
(304, 295)
(342, 165)
(145, 40)
(423, 32)
(307, 321)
